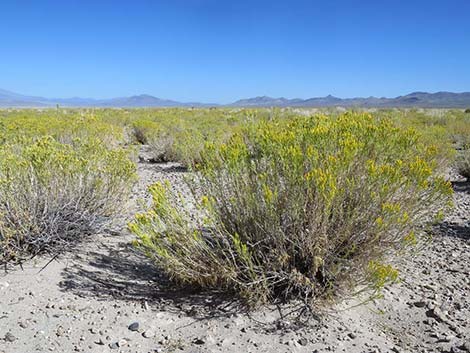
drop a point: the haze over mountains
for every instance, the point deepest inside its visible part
(416, 99)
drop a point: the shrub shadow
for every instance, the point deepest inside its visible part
(454, 230)
(451, 229)
(119, 272)
(173, 168)
(461, 186)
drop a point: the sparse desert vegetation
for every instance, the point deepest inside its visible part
(269, 178)
(264, 205)
(235, 176)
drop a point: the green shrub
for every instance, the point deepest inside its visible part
(179, 135)
(166, 142)
(305, 208)
(64, 127)
(467, 111)
(463, 163)
(52, 193)
(145, 130)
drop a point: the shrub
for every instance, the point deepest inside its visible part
(463, 163)
(305, 208)
(64, 128)
(144, 130)
(159, 137)
(467, 111)
(179, 135)
(51, 193)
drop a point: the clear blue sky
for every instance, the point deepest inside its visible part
(219, 51)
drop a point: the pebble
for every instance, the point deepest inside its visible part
(114, 345)
(100, 342)
(303, 341)
(420, 304)
(199, 341)
(122, 342)
(134, 326)
(9, 337)
(352, 335)
(436, 313)
(59, 331)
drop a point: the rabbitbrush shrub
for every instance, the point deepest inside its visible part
(53, 193)
(64, 127)
(145, 130)
(179, 135)
(463, 163)
(302, 208)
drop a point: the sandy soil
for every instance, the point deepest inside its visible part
(105, 297)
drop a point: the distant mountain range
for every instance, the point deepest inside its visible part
(416, 99)
(15, 100)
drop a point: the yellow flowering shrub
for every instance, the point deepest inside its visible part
(179, 135)
(306, 207)
(53, 193)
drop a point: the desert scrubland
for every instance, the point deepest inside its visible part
(235, 230)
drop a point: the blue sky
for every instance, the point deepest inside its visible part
(220, 51)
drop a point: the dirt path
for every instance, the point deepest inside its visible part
(86, 300)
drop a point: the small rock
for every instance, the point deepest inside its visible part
(60, 331)
(100, 342)
(352, 335)
(199, 341)
(420, 304)
(9, 337)
(436, 313)
(114, 345)
(134, 326)
(303, 341)
(122, 342)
